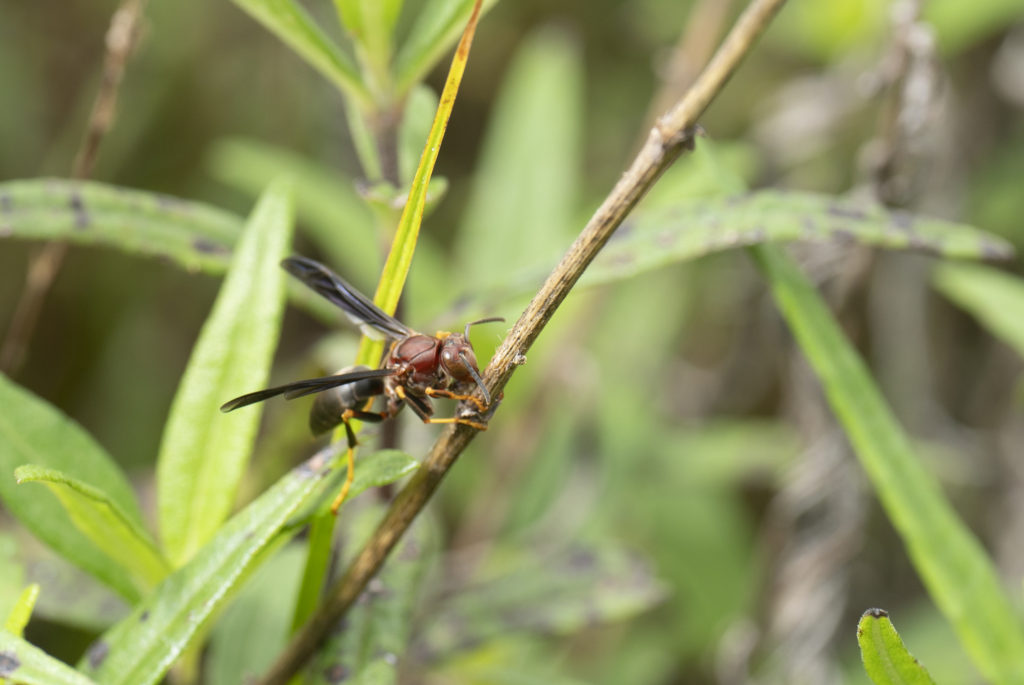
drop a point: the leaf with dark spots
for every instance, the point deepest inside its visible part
(209, 247)
(97, 652)
(78, 209)
(24, 663)
(192, 235)
(8, 664)
(689, 229)
(694, 228)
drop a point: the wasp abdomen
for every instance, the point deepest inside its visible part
(331, 404)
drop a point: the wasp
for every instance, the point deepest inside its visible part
(414, 369)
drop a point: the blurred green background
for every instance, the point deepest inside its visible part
(667, 417)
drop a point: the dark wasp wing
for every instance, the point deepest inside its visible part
(306, 387)
(358, 307)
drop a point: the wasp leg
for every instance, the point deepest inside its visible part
(421, 407)
(350, 453)
(435, 392)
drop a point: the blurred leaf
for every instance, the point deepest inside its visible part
(378, 469)
(886, 658)
(414, 129)
(953, 565)
(290, 22)
(24, 663)
(254, 628)
(826, 31)
(959, 26)
(551, 594)
(371, 23)
(373, 470)
(19, 615)
(525, 187)
(329, 209)
(140, 649)
(32, 431)
(196, 236)
(378, 627)
(994, 297)
(694, 228)
(437, 27)
(656, 237)
(102, 521)
(722, 453)
(203, 452)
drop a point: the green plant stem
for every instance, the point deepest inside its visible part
(667, 140)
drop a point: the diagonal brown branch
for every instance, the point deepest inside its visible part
(672, 134)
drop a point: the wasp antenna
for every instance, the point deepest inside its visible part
(476, 377)
(490, 319)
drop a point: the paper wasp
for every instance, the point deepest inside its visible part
(415, 368)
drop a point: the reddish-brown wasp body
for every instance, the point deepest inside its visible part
(414, 369)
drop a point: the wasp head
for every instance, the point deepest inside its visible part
(459, 361)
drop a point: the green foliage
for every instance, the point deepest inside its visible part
(619, 523)
(521, 209)
(290, 22)
(23, 663)
(885, 657)
(20, 613)
(204, 453)
(194, 235)
(34, 432)
(950, 560)
(994, 297)
(141, 648)
(104, 523)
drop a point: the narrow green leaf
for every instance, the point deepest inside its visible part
(32, 431)
(953, 565)
(654, 237)
(582, 585)
(372, 471)
(254, 629)
(378, 628)
(381, 468)
(102, 521)
(140, 649)
(885, 657)
(194, 235)
(331, 212)
(204, 452)
(994, 297)
(436, 29)
(290, 22)
(24, 663)
(371, 24)
(696, 227)
(399, 260)
(524, 198)
(21, 612)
